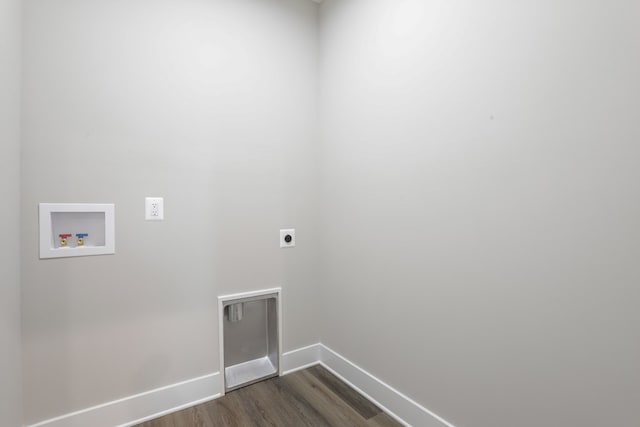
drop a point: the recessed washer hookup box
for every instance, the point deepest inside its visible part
(76, 229)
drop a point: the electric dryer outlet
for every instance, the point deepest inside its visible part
(287, 238)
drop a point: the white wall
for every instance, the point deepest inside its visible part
(210, 104)
(10, 381)
(482, 205)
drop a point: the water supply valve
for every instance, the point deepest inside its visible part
(63, 239)
(80, 238)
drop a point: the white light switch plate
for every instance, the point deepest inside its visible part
(154, 209)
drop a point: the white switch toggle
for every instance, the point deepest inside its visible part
(287, 238)
(154, 209)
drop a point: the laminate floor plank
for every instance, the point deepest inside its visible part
(297, 409)
(325, 400)
(176, 419)
(312, 397)
(354, 399)
(382, 420)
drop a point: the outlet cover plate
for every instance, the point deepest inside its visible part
(283, 238)
(154, 208)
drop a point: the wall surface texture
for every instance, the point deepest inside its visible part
(481, 200)
(10, 381)
(209, 104)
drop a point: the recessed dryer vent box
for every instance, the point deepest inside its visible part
(250, 338)
(76, 229)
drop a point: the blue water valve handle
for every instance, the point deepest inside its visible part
(80, 238)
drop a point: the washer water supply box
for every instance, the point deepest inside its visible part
(76, 229)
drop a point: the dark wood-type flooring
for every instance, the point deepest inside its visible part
(311, 397)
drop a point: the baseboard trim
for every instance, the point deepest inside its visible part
(155, 403)
(301, 358)
(404, 409)
(170, 411)
(144, 406)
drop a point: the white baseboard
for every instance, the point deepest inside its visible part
(300, 358)
(402, 408)
(141, 407)
(405, 410)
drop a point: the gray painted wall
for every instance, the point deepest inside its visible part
(479, 202)
(482, 205)
(10, 378)
(208, 104)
